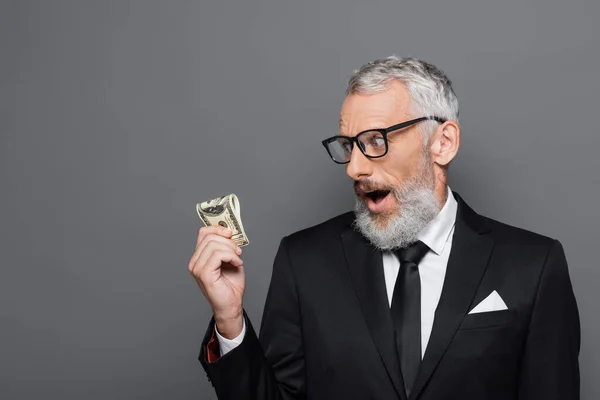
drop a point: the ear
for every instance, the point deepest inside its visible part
(445, 143)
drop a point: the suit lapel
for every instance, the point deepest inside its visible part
(366, 268)
(469, 256)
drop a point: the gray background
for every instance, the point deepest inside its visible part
(116, 117)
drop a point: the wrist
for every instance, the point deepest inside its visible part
(230, 326)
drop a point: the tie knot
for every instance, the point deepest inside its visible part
(413, 253)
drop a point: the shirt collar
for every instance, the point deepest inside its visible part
(437, 232)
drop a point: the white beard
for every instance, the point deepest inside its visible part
(417, 206)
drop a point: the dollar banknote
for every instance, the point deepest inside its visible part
(225, 212)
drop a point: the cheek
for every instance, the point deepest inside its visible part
(402, 162)
(396, 170)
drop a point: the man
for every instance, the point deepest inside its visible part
(412, 296)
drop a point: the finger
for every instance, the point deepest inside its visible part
(217, 230)
(213, 238)
(210, 248)
(219, 258)
(216, 238)
(214, 263)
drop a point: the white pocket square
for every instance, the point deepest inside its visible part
(491, 303)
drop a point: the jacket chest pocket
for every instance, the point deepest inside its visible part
(487, 319)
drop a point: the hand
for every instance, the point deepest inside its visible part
(219, 271)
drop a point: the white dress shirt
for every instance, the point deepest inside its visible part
(437, 235)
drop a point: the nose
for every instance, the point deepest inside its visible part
(359, 166)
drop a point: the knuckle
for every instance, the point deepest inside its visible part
(195, 269)
(203, 276)
(210, 245)
(192, 262)
(206, 231)
(218, 254)
(224, 255)
(212, 258)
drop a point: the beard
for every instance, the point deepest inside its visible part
(416, 207)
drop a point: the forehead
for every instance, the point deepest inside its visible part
(379, 110)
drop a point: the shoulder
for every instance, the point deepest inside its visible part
(500, 232)
(530, 247)
(509, 240)
(509, 234)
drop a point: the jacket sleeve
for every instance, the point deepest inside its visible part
(550, 365)
(272, 367)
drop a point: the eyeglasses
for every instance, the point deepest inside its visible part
(373, 143)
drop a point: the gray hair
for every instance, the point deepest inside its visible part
(429, 88)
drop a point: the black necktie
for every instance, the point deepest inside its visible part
(406, 311)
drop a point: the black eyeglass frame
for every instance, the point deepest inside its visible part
(384, 132)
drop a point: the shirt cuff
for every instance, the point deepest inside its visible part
(226, 345)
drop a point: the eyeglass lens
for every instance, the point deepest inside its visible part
(372, 144)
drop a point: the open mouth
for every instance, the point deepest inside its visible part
(377, 196)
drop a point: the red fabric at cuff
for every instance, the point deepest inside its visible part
(213, 352)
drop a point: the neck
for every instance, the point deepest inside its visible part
(441, 189)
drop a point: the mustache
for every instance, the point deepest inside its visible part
(370, 185)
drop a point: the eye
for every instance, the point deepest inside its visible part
(376, 141)
(347, 146)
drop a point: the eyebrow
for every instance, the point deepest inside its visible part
(376, 126)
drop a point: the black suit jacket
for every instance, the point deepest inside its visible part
(327, 333)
